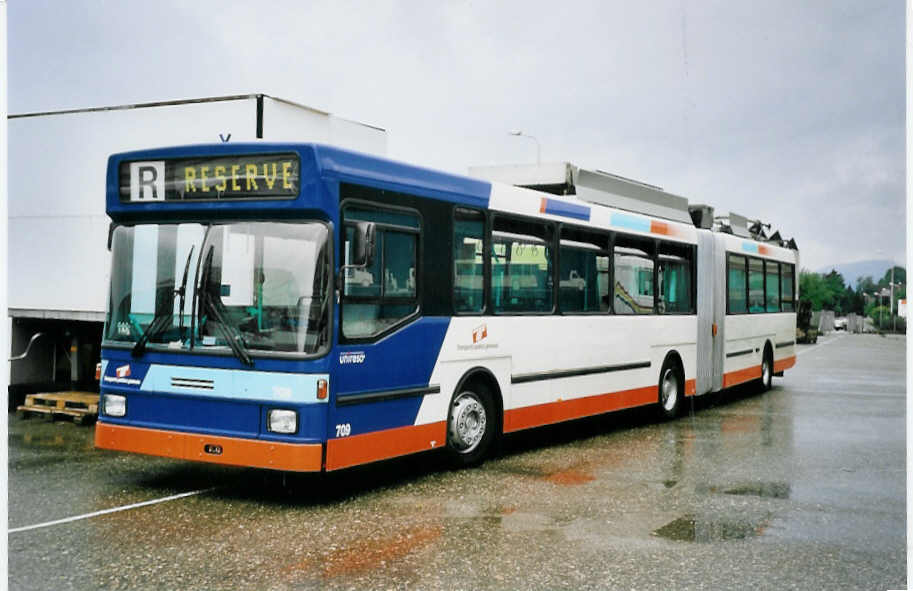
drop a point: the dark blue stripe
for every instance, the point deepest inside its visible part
(568, 210)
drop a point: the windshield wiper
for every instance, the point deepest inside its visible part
(158, 325)
(182, 291)
(232, 337)
(229, 332)
(163, 319)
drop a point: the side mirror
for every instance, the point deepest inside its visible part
(363, 246)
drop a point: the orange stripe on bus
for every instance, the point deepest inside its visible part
(380, 445)
(543, 203)
(564, 410)
(659, 228)
(784, 364)
(741, 376)
(690, 387)
(235, 451)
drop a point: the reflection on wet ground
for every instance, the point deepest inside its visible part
(368, 554)
(704, 530)
(771, 490)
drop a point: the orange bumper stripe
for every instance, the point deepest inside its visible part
(380, 445)
(564, 410)
(293, 457)
(690, 387)
(784, 364)
(741, 376)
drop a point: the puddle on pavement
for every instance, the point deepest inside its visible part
(520, 470)
(369, 554)
(526, 522)
(74, 440)
(691, 528)
(565, 476)
(570, 477)
(770, 490)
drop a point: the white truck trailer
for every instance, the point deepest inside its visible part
(58, 260)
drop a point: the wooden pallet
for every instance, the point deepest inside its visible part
(81, 407)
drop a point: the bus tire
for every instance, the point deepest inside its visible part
(471, 423)
(671, 390)
(767, 369)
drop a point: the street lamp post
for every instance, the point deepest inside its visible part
(519, 133)
(880, 307)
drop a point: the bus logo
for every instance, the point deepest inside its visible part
(123, 371)
(479, 333)
(351, 357)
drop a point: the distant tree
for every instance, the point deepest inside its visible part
(866, 284)
(830, 292)
(900, 276)
(852, 301)
(812, 288)
(900, 285)
(835, 288)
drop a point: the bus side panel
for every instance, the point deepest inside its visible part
(746, 335)
(785, 342)
(378, 389)
(556, 368)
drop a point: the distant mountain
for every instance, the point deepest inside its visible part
(852, 271)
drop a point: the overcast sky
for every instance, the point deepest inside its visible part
(788, 111)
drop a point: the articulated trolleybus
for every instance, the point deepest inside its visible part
(305, 308)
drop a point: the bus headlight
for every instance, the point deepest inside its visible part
(114, 405)
(282, 421)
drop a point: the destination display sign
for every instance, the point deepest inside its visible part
(249, 176)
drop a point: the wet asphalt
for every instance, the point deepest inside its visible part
(799, 488)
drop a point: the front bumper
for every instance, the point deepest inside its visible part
(234, 451)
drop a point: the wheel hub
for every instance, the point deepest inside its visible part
(669, 390)
(467, 422)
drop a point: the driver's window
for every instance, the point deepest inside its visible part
(379, 296)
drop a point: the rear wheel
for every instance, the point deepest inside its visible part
(470, 425)
(767, 370)
(670, 390)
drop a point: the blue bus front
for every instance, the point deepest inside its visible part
(219, 325)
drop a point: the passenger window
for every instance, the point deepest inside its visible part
(755, 285)
(521, 266)
(633, 290)
(674, 276)
(772, 273)
(583, 284)
(737, 296)
(786, 283)
(381, 295)
(468, 261)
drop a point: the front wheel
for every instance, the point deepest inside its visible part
(470, 426)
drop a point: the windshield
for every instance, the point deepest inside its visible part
(258, 286)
